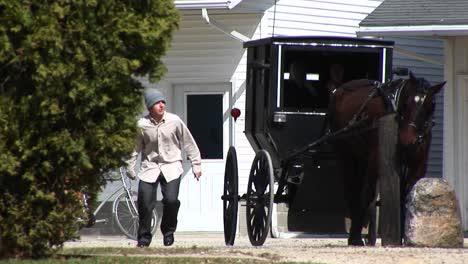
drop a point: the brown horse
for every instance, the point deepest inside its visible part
(356, 107)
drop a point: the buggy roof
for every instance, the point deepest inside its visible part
(320, 41)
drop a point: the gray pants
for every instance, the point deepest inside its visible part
(147, 202)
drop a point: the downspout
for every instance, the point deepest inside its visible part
(232, 33)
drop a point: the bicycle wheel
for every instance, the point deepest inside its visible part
(126, 215)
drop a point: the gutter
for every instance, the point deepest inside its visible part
(211, 4)
(230, 32)
(429, 30)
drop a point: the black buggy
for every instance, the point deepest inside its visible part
(289, 80)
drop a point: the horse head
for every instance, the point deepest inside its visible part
(415, 109)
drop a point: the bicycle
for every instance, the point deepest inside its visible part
(124, 208)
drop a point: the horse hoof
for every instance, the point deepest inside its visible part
(370, 243)
(355, 242)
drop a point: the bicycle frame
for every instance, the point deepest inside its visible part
(126, 187)
(124, 209)
(127, 190)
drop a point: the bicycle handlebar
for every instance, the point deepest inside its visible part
(112, 177)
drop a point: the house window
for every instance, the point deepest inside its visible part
(205, 121)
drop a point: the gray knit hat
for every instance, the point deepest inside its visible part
(152, 96)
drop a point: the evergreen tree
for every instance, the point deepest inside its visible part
(68, 106)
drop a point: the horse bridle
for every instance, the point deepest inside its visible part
(423, 129)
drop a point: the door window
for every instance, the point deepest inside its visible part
(205, 122)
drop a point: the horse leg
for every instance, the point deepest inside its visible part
(365, 185)
(356, 206)
(355, 234)
(350, 176)
(370, 197)
(416, 170)
(371, 221)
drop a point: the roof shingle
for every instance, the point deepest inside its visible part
(418, 13)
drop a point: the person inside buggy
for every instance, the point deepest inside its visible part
(335, 78)
(310, 77)
(304, 88)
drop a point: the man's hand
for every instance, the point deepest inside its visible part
(130, 175)
(197, 175)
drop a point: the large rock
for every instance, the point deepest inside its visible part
(433, 215)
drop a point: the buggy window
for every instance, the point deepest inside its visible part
(310, 74)
(302, 87)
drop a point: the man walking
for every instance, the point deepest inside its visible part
(160, 140)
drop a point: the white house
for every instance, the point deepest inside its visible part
(206, 79)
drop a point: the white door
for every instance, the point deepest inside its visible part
(460, 181)
(203, 108)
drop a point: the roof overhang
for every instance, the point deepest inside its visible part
(211, 4)
(425, 30)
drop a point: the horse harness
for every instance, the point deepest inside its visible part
(391, 97)
(423, 129)
(357, 124)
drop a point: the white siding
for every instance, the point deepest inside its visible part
(320, 17)
(245, 153)
(432, 48)
(201, 53)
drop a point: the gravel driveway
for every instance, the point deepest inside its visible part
(321, 250)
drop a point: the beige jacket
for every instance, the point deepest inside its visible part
(161, 147)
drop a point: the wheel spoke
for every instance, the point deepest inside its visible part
(230, 197)
(261, 215)
(259, 198)
(259, 223)
(260, 181)
(126, 217)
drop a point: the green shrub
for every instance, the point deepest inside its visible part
(68, 102)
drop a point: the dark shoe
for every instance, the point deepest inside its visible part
(142, 244)
(168, 240)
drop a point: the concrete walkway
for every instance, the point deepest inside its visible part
(291, 248)
(183, 239)
(201, 239)
(211, 239)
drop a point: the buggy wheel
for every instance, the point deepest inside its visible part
(230, 197)
(390, 207)
(259, 198)
(126, 215)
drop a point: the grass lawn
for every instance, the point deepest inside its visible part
(174, 255)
